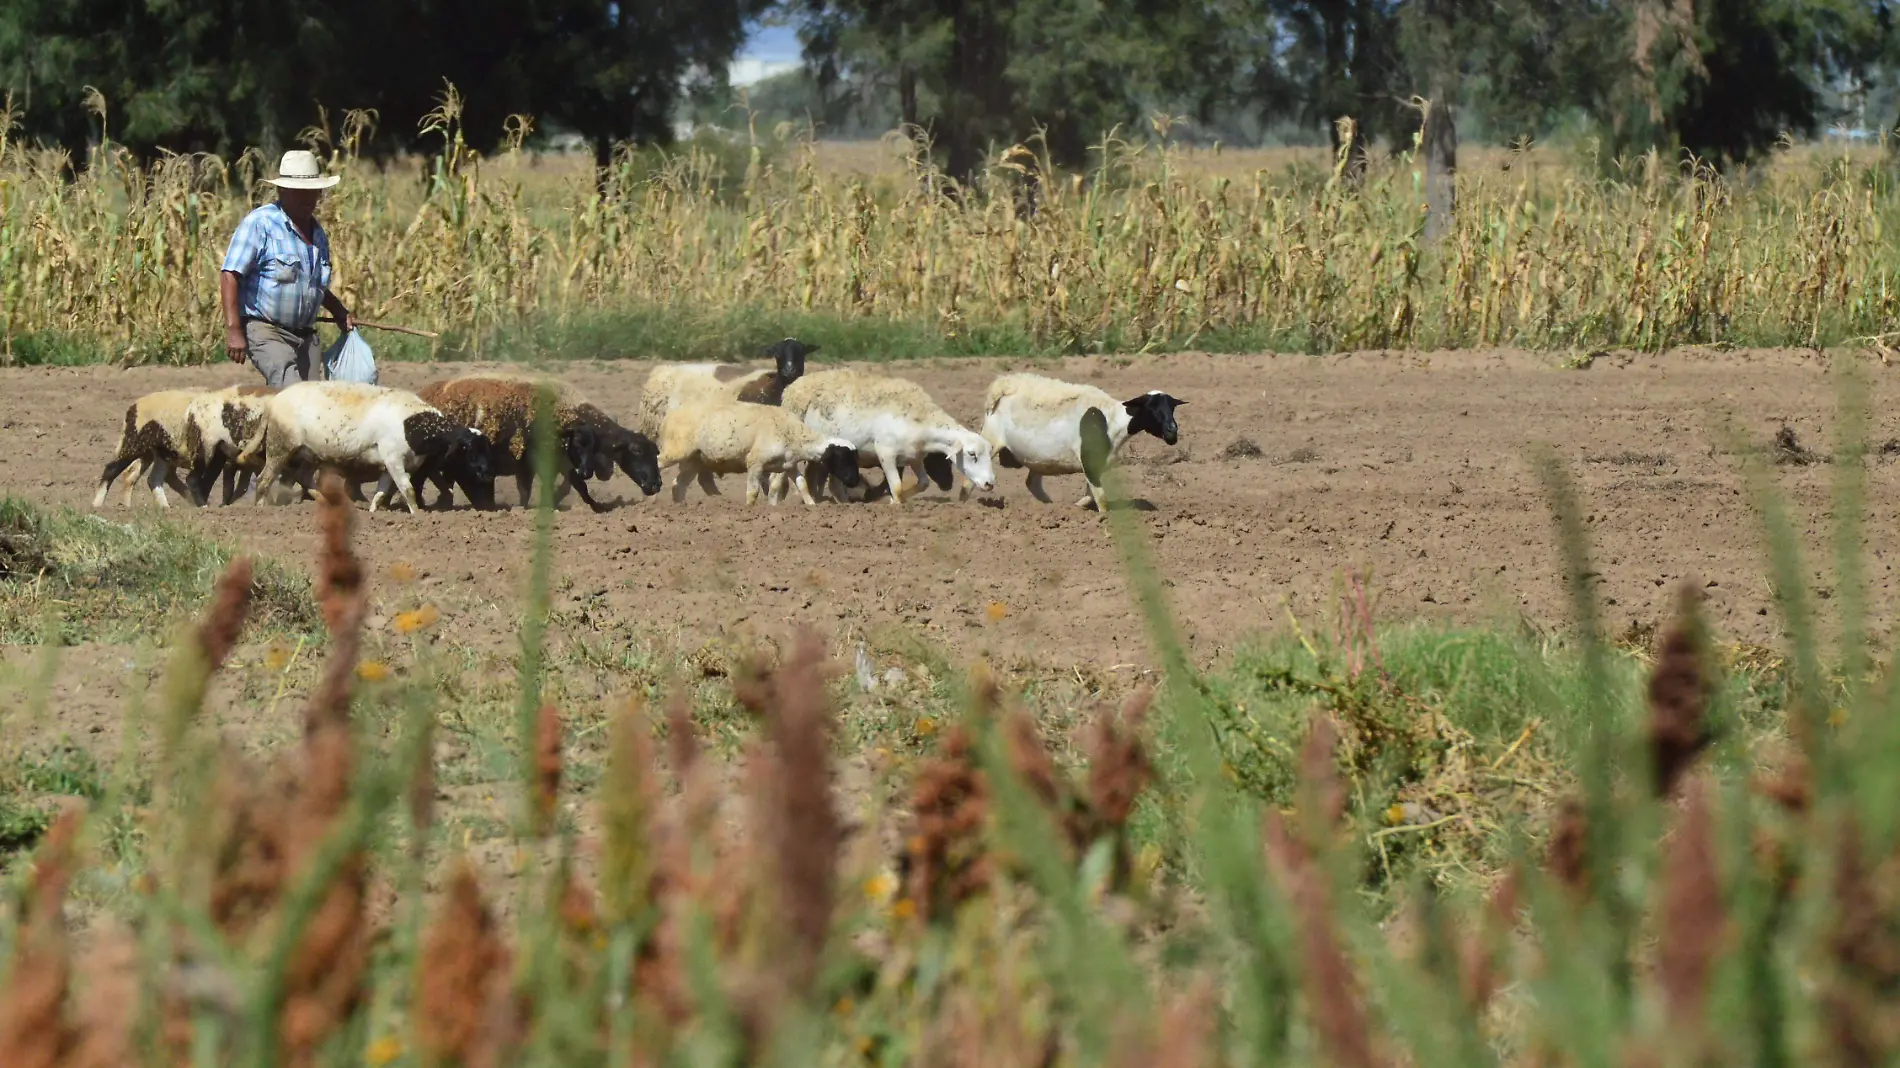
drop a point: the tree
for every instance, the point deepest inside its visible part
(977, 73)
(222, 75)
(615, 70)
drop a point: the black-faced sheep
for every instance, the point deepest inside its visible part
(674, 384)
(154, 438)
(218, 428)
(590, 445)
(728, 437)
(893, 423)
(361, 429)
(1034, 422)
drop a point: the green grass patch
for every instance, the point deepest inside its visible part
(68, 576)
(1455, 738)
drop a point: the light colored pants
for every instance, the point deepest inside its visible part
(283, 358)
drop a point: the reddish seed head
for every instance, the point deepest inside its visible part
(547, 766)
(1678, 699)
(230, 605)
(1692, 916)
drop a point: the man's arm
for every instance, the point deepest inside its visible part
(335, 307)
(235, 346)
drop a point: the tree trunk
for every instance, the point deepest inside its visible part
(1439, 143)
(1357, 160)
(603, 162)
(907, 96)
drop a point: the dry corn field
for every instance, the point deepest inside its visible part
(1364, 733)
(1162, 249)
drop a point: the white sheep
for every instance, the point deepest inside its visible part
(726, 437)
(153, 438)
(893, 423)
(673, 385)
(1034, 422)
(219, 426)
(362, 429)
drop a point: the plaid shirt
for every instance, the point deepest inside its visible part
(283, 277)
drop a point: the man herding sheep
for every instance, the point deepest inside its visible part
(276, 277)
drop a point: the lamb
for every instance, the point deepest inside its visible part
(893, 423)
(502, 407)
(360, 428)
(218, 428)
(154, 438)
(1034, 422)
(674, 384)
(728, 437)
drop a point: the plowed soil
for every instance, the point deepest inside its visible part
(1290, 471)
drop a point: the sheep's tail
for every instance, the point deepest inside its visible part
(258, 446)
(130, 432)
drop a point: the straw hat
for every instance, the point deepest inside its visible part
(300, 170)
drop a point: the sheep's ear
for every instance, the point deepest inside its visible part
(1094, 445)
(938, 467)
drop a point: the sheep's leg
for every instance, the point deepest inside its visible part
(445, 490)
(112, 471)
(397, 474)
(1096, 498)
(205, 476)
(893, 475)
(777, 488)
(709, 482)
(754, 479)
(524, 487)
(178, 483)
(131, 485)
(273, 474)
(1034, 482)
(804, 485)
(964, 487)
(682, 477)
(161, 473)
(580, 487)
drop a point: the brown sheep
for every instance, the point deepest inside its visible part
(501, 405)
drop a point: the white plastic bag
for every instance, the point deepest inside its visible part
(350, 360)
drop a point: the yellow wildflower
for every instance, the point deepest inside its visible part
(845, 1006)
(277, 657)
(410, 622)
(1837, 717)
(384, 1050)
(372, 671)
(926, 726)
(904, 909)
(879, 888)
(403, 573)
(1395, 815)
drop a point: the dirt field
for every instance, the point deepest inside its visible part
(1412, 465)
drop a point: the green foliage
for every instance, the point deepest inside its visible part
(78, 576)
(195, 77)
(981, 75)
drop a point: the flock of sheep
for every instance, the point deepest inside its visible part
(776, 426)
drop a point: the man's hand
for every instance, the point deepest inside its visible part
(345, 321)
(235, 346)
